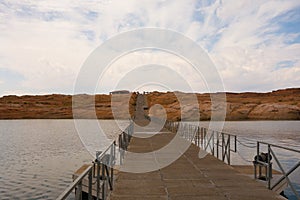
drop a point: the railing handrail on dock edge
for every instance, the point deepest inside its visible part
(103, 162)
(285, 175)
(199, 136)
(207, 139)
(75, 183)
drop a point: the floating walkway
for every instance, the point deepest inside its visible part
(187, 178)
(193, 174)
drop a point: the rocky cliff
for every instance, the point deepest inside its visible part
(276, 105)
(58, 106)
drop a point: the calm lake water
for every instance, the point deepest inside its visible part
(38, 157)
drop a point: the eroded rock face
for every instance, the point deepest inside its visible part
(57, 106)
(276, 105)
(275, 111)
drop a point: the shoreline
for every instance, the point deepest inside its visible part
(280, 105)
(123, 119)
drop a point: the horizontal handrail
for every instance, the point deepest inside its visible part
(71, 187)
(268, 164)
(103, 153)
(206, 138)
(105, 160)
(281, 147)
(125, 137)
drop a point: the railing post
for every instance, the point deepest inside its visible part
(188, 131)
(235, 145)
(269, 168)
(120, 149)
(213, 143)
(218, 145)
(257, 154)
(78, 193)
(197, 143)
(98, 179)
(223, 146)
(90, 185)
(257, 149)
(104, 181)
(228, 160)
(191, 133)
(174, 127)
(112, 157)
(203, 138)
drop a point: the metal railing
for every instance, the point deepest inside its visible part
(217, 143)
(285, 174)
(220, 144)
(77, 184)
(100, 175)
(124, 140)
(104, 167)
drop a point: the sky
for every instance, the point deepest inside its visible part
(254, 44)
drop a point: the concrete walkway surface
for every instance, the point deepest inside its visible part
(189, 177)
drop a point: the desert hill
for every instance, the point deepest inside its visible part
(276, 105)
(57, 106)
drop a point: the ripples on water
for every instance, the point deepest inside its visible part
(38, 157)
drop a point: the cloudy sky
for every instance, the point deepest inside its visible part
(254, 44)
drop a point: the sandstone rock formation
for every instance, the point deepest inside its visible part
(276, 105)
(58, 106)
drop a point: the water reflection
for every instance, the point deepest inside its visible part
(38, 157)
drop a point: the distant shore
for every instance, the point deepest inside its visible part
(277, 105)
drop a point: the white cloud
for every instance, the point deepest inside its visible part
(135, 69)
(252, 44)
(48, 41)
